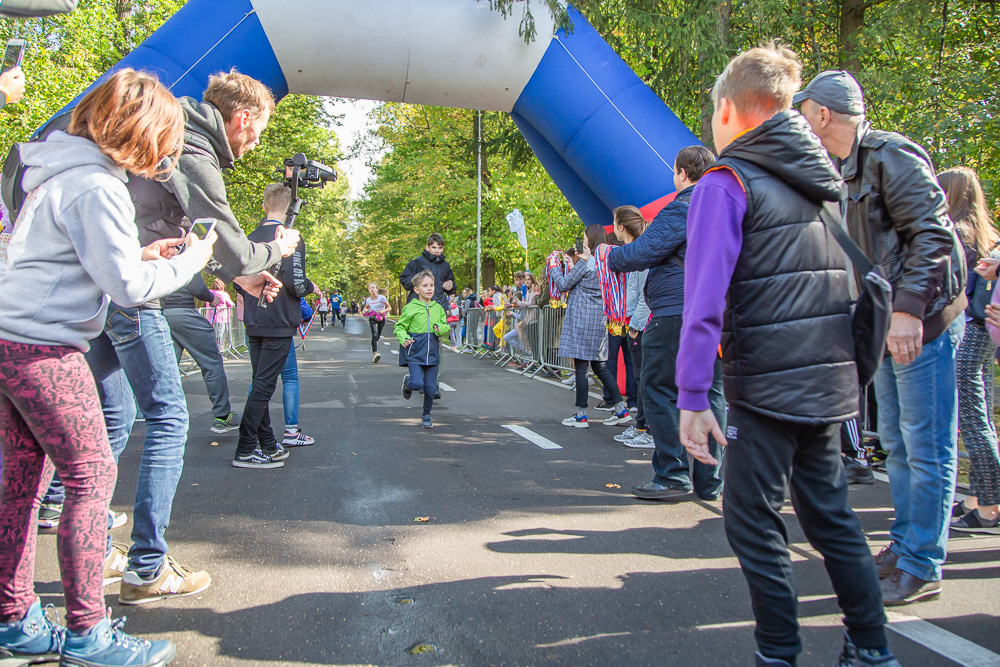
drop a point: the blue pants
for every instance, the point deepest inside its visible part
(290, 388)
(424, 379)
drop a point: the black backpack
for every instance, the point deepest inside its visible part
(12, 189)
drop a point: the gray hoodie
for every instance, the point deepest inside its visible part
(75, 244)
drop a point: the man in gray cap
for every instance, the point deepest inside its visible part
(896, 212)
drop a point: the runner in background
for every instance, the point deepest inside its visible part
(376, 308)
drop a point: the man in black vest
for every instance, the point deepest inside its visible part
(755, 233)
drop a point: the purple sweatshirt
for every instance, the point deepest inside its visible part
(714, 243)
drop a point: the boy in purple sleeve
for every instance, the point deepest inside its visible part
(764, 276)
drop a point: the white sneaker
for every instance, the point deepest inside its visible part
(641, 441)
(576, 422)
(570, 381)
(627, 435)
(296, 438)
(376, 358)
(620, 416)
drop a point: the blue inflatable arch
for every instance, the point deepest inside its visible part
(603, 136)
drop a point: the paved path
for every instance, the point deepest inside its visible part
(528, 556)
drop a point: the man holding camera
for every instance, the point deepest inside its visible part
(135, 353)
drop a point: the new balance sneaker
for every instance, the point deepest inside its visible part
(973, 522)
(627, 435)
(279, 454)
(115, 564)
(425, 422)
(407, 392)
(604, 406)
(49, 515)
(641, 441)
(107, 644)
(34, 638)
(577, 421)
(226, 425)
(296, 438)
(173, 581)
(256, 459)
(376, 357)
(620, 416)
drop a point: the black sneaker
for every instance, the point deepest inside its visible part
(49, 515)
(654, 491)
(605, 406)
(437, 395)
(856, 472)
(256, 459)
(279, 454)
(852, 656)
(226, 425)
(407, 392)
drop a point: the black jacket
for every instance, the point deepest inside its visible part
(437, 265)
(787, 347)
(283, 315)
(185, 296)
(896, 212)
(660, 249)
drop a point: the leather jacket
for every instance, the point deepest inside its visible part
(897, 213)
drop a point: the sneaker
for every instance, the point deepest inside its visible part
(654, 491)
(173, 581)
(115, 564)
(621, 416)
(34, 638)
(256, 459)
(437, 395)
(376, 358)
(279, 454)
(627, 435)
(407, 392)
(763, 661)
(107, 644)
(425, 422)
(570, 381)
(641, 441)
(973, 522)
(296, 438)
(226, 425)
(857, 472)
(118, 519)
(604, 406)
(904, 588)
(958, 510)
(49, 515)
(852, 656)
(577, 421)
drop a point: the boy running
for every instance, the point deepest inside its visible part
(421, 351)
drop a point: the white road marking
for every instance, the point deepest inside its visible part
(532, 437)
(396, 352)
(445, 387)
(387, 343)
(942, 642)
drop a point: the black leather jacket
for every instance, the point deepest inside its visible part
(896, 212)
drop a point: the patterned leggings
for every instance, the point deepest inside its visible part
(50, 414)
(975, 413)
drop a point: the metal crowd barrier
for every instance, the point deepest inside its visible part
(230, 335)
(534, 345)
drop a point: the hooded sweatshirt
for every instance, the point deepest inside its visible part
(438, 266)
(74, 245)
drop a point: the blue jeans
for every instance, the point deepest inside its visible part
(290, 388)
(424, 379)
(136, 353)
(918, 424)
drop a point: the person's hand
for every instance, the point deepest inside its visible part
(906, 334)
(258, 283)
(287, 240)
(987, 267)
(407, 343)
(993, 315)
(161, 249)
(447, 285)
(202, 248)
(436, 330)
(13, 82)
(215, 303)
(695, 427)
(318, 292)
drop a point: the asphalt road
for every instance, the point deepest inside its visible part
(527, 557)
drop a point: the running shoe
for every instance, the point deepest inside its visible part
(425, 422)
(34, 638)
(173, 581)
(107, 644)
(296, 438)
(620, 416)
(973, 522)
(641, 441)
(376, 358)
(256, 459)
(604, 406)
(118, 519)
(576, 421)
(279, 454)
(49, 515)
(570, 381)
(628, 434)
(115, 564)
(858, 472)
(407, 392)
(226, 425)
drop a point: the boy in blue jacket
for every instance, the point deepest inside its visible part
(419, 329)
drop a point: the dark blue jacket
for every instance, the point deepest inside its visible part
(665, 238)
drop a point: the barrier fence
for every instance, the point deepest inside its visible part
(230, 335)
(529, 337)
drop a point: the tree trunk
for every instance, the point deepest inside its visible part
(852, 19)
(723, 12)
(489, 272)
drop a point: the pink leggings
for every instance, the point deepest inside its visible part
(50, 414)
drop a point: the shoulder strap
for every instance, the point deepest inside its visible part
(832, 219)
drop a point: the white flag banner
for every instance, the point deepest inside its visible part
(515, 222)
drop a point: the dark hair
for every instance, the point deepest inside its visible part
(613, 239)
(435, 238)
(695, 161)
(420, 277)
(595, 236)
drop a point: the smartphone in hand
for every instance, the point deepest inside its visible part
(14, 54)
(201, 228)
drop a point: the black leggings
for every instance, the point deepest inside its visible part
(602, 373)
(322, 318)
(376, 327)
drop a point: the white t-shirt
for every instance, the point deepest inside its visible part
(378, 304)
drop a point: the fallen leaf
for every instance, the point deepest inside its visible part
(404, 601)
(613, 486)
(214, 444)
(423, 519)
(417, 649)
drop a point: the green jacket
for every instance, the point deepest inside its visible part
(417, 322)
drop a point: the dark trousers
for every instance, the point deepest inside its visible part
(635, 347)
(603, 374)
(192, 332)
(322, 318)
(376, 327)
(267, 358)
(764, 457)
(424, 379)
(660, 343)
(619, 346)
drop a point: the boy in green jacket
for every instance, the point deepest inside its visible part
(419, 329)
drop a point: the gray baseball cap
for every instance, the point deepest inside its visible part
(835, 89)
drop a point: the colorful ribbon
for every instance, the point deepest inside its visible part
(613, 291)
(557, 258)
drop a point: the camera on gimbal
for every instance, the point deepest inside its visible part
(301, 172)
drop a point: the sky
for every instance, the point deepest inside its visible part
(354, 124)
